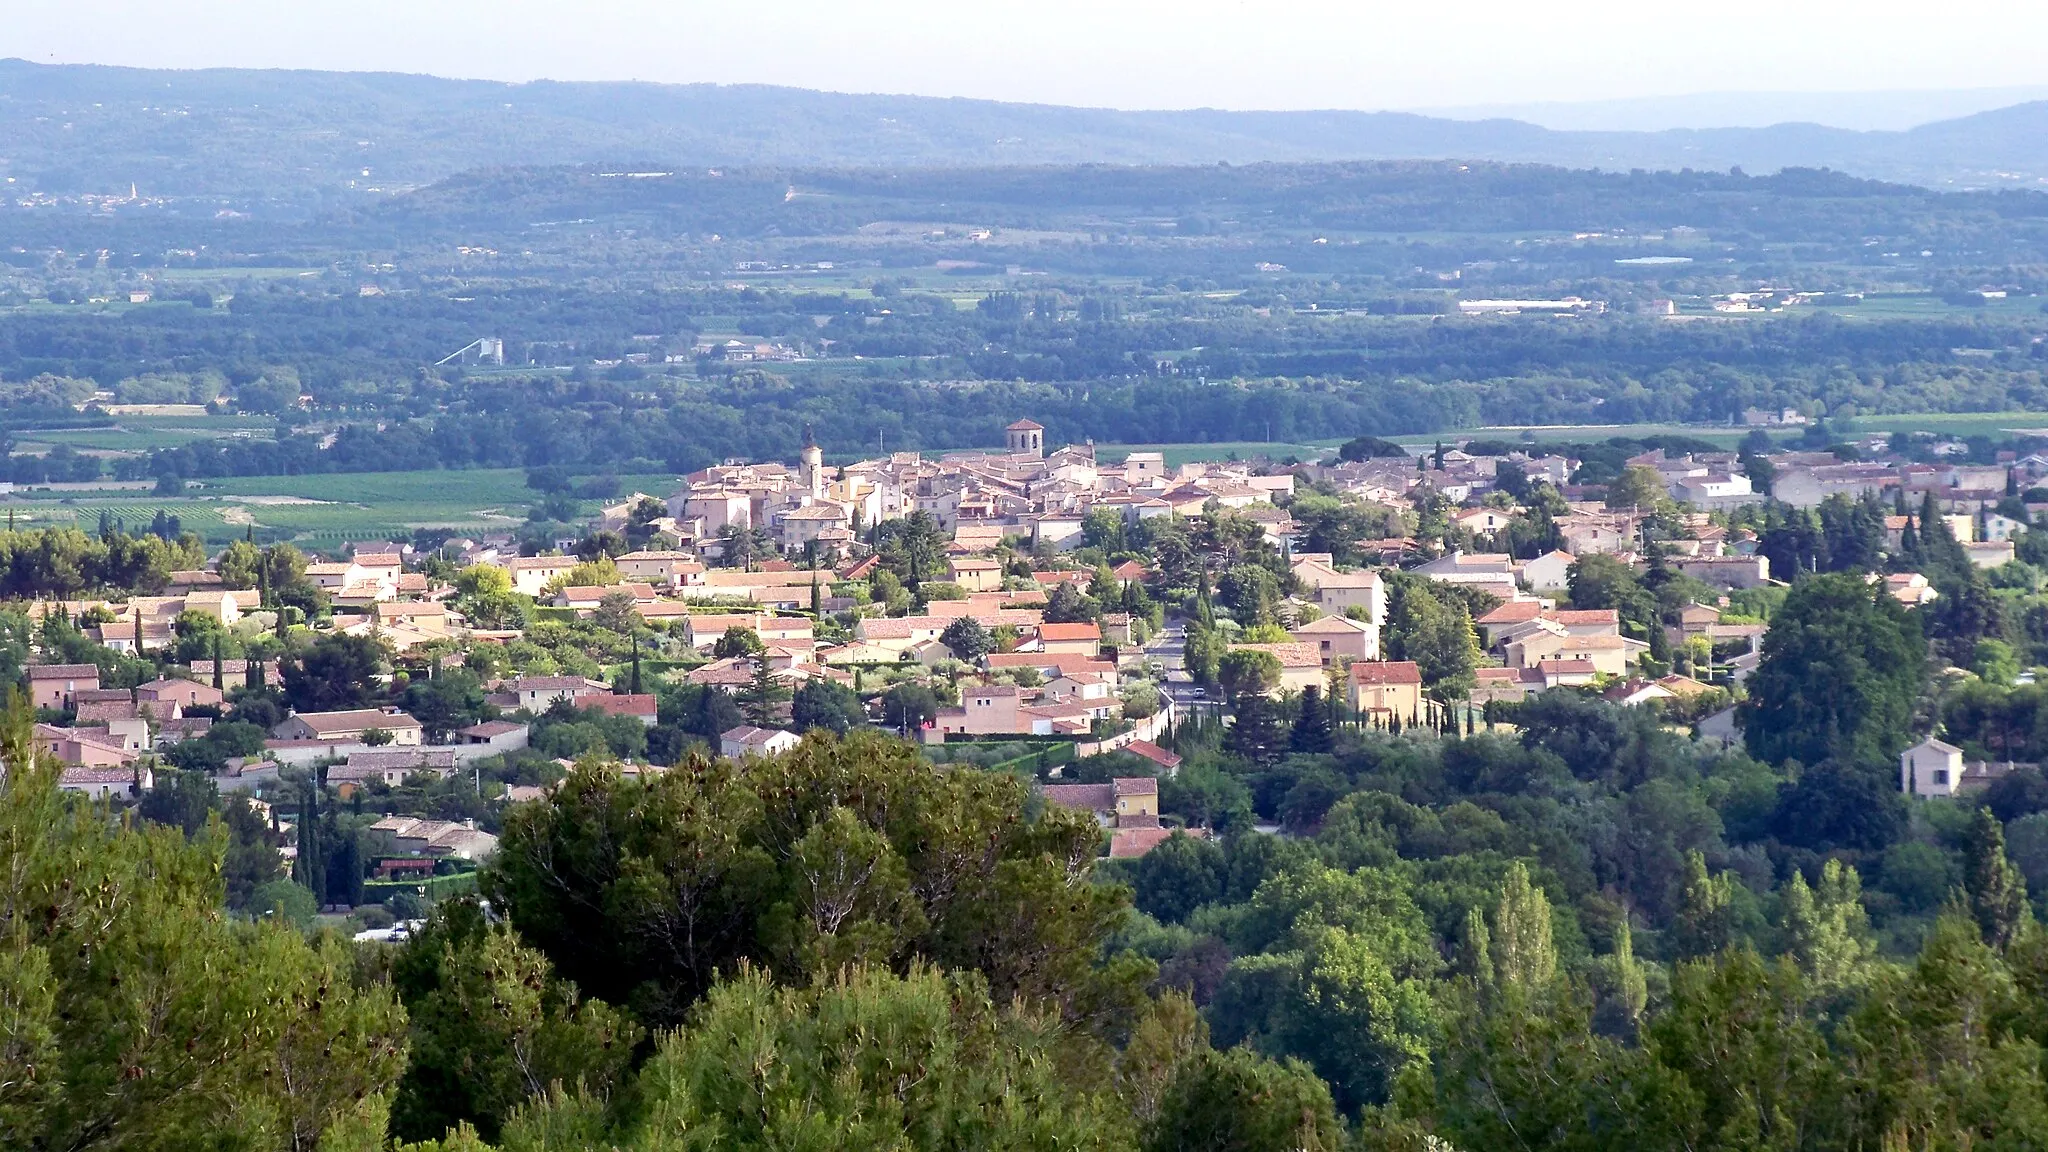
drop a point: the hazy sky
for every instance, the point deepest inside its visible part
(1120, 53)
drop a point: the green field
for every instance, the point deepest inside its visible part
(339, 507)
(1952, 423)
(1949, 423)
(1576, 433)
(1928, 306)
(142, 433)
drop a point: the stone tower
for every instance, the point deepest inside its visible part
(1025, 438)
(812, 459)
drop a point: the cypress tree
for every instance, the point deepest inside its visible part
(311, 872)
(1996, 890)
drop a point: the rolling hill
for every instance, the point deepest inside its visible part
(308, 137)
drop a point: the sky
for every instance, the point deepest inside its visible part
(1242, 54)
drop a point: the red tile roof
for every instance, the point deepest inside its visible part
(1131, 843)
(1154, 753)
(1386, 672)
(1512, 612)
(1586, 616)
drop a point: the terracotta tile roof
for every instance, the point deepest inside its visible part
(1586, 616)
(1086, 797)
(1290, 655)
(1154, 753)
(1386, 672)
(1512, 612)
(63, 671)
(1131, 843)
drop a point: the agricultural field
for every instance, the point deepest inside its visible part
(1952, 423)
(318, 512)
(141, 433)
(1928, 306)
(1722, 434)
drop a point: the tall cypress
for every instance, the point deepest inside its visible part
(1997, 891)
(311, 871)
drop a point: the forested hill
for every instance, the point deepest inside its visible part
(1801, 206)
(240, 133)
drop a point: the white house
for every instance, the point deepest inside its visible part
(746, 740)
(1547, 572)
(1935, 768)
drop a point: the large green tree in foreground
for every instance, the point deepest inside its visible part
(135, 1013)
(843, 851)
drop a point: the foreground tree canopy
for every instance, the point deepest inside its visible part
(841, 852)
(137, 1014)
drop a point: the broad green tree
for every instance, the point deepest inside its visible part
(1841, 668)
(138, 1014)
(854, 848)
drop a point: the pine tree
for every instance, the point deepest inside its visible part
(1257, 731)
(1997, 892)
(636, 667)
(216, 663)
(1312, 726)
(760, 700)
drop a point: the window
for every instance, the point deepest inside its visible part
(1941, 777)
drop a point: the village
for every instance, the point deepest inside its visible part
(1062, 607)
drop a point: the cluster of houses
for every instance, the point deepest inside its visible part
(1051, 679)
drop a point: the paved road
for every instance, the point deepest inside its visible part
(1169, 648)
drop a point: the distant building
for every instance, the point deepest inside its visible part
(748, 741)
(1567, 306)
(1935, 768)
(349, 726)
